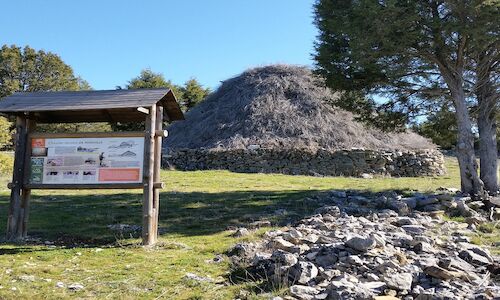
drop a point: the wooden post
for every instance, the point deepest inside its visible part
(157, 165)
(15, 218)
(148, 232)
(26, 191)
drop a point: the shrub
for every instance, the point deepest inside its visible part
(6, 163)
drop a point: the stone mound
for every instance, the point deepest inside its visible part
(279, 106)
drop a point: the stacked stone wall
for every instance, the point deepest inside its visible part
(354, 162)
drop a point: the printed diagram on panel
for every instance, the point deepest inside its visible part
(87, 160)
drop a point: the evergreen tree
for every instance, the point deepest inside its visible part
(412, 52)
(193, 93)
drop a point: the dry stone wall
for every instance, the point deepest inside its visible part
(353, 162)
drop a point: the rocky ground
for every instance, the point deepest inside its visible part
(377, 246)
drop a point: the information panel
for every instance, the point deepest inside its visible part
(87, 160)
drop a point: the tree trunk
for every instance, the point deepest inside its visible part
(470, 181)
(488, 151)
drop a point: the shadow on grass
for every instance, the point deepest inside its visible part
(83, 219)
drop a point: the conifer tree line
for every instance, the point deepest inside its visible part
(24, 69)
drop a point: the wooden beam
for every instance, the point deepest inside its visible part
(108, 115)
(14, 230)
(148, 213)
(159, 185)
(92, 186)
(161, 132)
(143, 110)
(46, 135)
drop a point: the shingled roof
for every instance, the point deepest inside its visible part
(91, 106)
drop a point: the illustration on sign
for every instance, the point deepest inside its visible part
(87, 160)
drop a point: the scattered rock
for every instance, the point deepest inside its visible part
(303, 272)
(365, 246)
(474, 258)
(280, 243)
(423, 247)
(293, 236)
(259, 224)
(75, 287)
(216, 260)
(330, 210)
(361, 243)
(192, 276)
(440, 273)
(30, 278)
(427, 201)
(399, 281)
(326, 260)
(414, 229)
(284, 258)
(242, 231)
(303, 292)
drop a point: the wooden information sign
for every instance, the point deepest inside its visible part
(86, 159)
(107, 160)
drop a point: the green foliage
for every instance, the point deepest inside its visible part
(383, 116)
(28, 70)
(5, 133)
(151, 80)
(83, 85)
(6, 164)
(440, 127)
(400, 50)
(193, 93)
(188, 95)
(147, 79)
(75, 127)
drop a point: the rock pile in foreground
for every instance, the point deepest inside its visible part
(381, 255)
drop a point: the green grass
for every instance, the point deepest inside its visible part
(196, 210)
(488, 234)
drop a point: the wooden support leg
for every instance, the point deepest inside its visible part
(157, 167)
(26, 193)
(25, 206)
(148, 232)
(15, 218)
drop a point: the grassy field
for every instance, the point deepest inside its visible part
(197, 208)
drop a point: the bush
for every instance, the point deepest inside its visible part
(5, 134)
(6, 163)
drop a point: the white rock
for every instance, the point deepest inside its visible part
(361, 243)
(27, 278)
(75, 286)
(399, 281)
(279, 243)
(303, 272)
(303, 292)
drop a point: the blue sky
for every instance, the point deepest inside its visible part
(109, 42)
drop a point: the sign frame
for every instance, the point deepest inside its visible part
(40, 135)
(20, 186)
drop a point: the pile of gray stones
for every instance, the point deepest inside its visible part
(382, 246)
